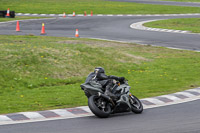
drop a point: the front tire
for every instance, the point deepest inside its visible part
(136, 104)
(99, 106)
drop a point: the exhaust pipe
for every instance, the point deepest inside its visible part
(106, 97)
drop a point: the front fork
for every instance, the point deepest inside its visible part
(134, 101)
(131, 95)
(132, 98)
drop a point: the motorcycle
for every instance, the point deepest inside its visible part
(103, 105)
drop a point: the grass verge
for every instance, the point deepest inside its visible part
(183, 0)
(187, 24)
(39, 73)
(97, 6)
(19, 18)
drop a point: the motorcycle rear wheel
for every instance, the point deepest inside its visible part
(136, 104)
(95, 104)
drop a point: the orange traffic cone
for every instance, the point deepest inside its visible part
(17, 26)
(43, 30)
(64, 15)
(85, 14)
(74, 14)
(8, 13)
(76, 34)
(91, 13)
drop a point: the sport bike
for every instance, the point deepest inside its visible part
(102, 105)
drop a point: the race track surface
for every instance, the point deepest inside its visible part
(180, 118)
(107, 27)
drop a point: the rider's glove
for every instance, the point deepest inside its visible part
(121, 79)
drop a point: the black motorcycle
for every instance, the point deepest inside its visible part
(102, 105)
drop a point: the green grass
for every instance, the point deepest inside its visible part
(183, 0)
(39, 72)
(188, 24)
(19, 18)
(97, 6)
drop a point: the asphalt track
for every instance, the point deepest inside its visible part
(180, 118)
(107, 27)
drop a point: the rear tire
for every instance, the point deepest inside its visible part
(136, 104)
(95, 105)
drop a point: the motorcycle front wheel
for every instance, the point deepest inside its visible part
(99, 106)
(136, 104)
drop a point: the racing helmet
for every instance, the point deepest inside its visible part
(99, 70)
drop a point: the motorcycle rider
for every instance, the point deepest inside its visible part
(107, 82)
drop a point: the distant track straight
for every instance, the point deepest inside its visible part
(109, 27)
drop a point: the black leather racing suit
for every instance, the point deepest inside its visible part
(106, 82)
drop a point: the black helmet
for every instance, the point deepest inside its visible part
(99, 69)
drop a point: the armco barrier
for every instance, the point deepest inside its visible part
(3, 13)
